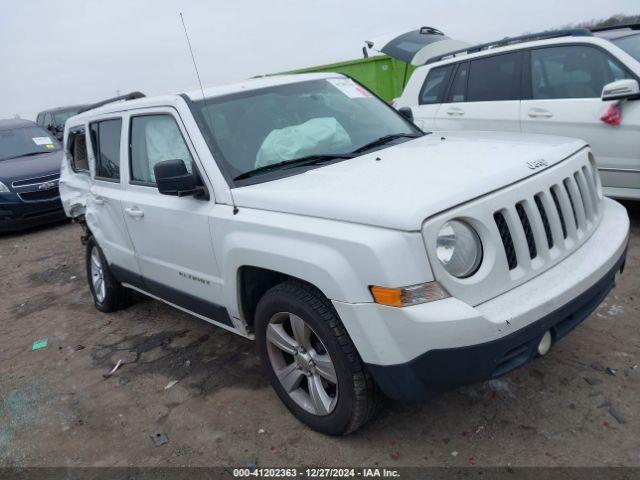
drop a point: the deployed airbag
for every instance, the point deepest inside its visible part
(315, 136)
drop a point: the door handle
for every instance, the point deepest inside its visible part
(455, 112)
(539, 113)
(134, 212)
(98, 200)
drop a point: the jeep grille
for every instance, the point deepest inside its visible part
(567, 209)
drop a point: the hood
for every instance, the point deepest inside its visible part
(412, 180)
(20, 168)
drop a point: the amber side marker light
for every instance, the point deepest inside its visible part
(407, 296)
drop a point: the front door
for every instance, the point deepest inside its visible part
(566, 86)
(171, 234)
(484, 95)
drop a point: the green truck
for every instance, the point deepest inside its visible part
(396, 57)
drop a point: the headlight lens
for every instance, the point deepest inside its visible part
(3, 188)
(459, 249)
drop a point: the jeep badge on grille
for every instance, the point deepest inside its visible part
(534, 164)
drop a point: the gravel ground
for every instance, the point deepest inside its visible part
(56, 409)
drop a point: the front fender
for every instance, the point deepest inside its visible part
(341, 259)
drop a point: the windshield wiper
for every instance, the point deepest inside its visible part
(385, 139)
(296, 162)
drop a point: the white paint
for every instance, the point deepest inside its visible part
(617, 149)
(349, 225)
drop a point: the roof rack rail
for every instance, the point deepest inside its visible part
(128, 96)
(631, 26)
(570, 32)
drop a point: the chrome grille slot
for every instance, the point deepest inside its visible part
(507, 241)
(567, 192)
(534, 226)
(554, 195)
(584, 195)
(35, 180)
(40, 195)
(593, 191)
(590, 205)
(545, 220)
(526, 226)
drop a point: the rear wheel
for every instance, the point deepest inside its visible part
(311, 361)
(108, 294)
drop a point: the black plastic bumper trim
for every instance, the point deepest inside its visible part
(439, 370)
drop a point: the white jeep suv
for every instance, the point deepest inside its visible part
(557, 83)
(361, 254)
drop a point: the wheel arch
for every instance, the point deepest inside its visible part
(341, 260)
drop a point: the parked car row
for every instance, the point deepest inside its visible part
(54, 119)
(558, 83)
(361, 253)
(30, 160)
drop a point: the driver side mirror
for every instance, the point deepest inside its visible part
(621, 90)
(172, 178)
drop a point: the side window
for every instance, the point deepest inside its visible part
(155, 138)
(40, 119)
(458, 92)
(77, 150)
(494, 78)
(47, 119)
(105, 140)
(435, 85)
(575, 71)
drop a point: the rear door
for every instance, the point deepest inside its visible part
(171, 234)
(431, 96)
(104, 209)
(75, 177)
(564, 90)
(484, 95)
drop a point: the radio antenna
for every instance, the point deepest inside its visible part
(195, 65)
(204, 99)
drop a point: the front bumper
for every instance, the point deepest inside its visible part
(19, 215)
(416, 352)
(440, 370)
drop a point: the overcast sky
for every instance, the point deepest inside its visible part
(63, 52)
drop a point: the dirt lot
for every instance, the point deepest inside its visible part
(57, 409)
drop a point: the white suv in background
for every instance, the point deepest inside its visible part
(557, 83)
(360, 253)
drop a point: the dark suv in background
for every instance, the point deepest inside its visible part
(30, 159)
(53, 119)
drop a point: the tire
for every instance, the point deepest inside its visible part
(109, 295)
(350, 401)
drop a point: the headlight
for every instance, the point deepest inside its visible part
(459, 249)
(3, 188)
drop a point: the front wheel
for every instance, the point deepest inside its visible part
(310, 360)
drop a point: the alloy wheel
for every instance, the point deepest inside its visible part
(302, 363)
(97, 276)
